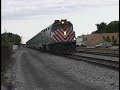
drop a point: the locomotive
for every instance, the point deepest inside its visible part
(59, 37)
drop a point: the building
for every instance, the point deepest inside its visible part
(93, 39)
(79, 40)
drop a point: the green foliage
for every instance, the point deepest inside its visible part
(8, 39)
(101, 27)
(108, 39)
(5, 61)
(112, 27)
(115, 42)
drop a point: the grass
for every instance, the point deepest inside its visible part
(5, 62)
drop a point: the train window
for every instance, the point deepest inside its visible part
(59, 26)
(45, 30)
(51, 28)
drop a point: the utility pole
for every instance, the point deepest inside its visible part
(5, 34)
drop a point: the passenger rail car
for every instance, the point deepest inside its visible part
(58, 37)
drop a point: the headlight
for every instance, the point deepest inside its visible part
(62, 22)
(74, 38)
(64, 32)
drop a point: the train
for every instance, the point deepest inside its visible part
(59, 37)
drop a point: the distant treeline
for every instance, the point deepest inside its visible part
(112, 27)
(8, 39)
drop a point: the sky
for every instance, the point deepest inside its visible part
(28, 17)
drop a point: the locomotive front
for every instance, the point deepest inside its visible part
(63, 36)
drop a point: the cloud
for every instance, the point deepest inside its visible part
(17, 9)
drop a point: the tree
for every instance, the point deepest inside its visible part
(115, 42)
(100, 27)
(108, 39)
(9, 39)
(112, 27)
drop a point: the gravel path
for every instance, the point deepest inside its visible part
(34, 70)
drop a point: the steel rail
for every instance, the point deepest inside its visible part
(110, 63)
(99, 53)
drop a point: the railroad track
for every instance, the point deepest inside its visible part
(99, 49)
(101, 61)
(100, 53)
(114, 64)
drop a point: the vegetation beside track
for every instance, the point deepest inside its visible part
(5, 62)
(7, 41)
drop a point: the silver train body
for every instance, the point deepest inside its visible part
(58, 37)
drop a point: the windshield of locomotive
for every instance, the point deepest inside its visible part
(62, 26)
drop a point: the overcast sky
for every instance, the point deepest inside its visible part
(28, 17)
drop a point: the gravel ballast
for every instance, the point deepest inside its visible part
(80, 71)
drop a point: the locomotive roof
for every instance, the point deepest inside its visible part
(55, 22)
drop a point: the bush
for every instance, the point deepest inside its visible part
(5, 60)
